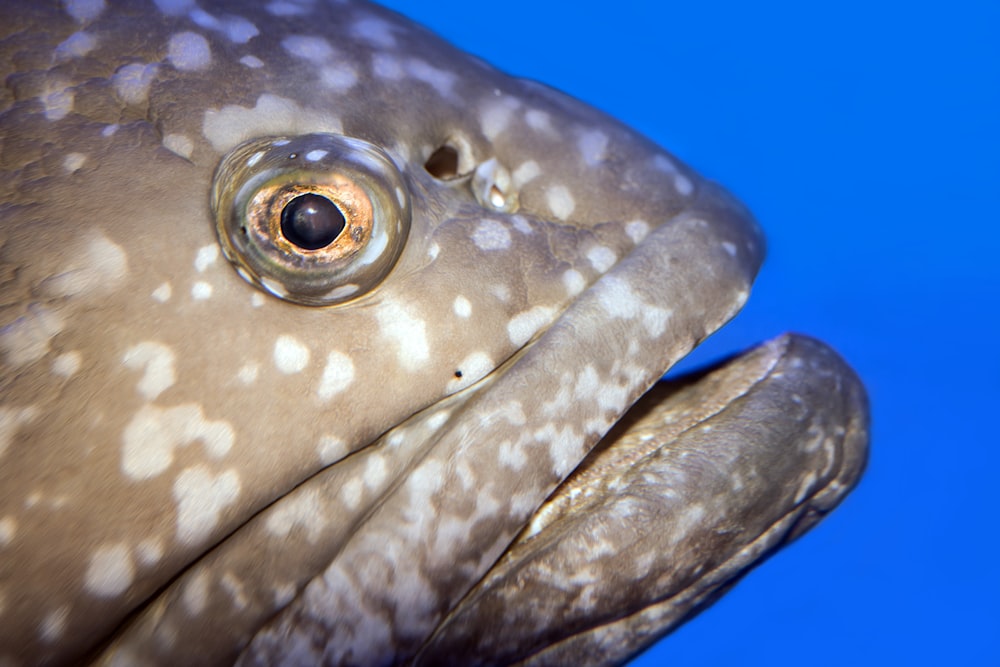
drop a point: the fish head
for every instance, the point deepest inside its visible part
(248, 252)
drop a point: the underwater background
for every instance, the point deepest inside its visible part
(865, 136)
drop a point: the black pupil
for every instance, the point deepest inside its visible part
(311, 222)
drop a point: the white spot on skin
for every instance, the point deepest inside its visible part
(587, 383)
(58, 102)
(664, 164)
(99, 264)
(54, 624)
(437, 420)
(158, 361)
(462, 307)
(67, 364)
(340, 77)
(236, 590)
(195, 594)
(313, 49)
(84, 11)
(257, 300)
(440, 80)
(290, 355)
(399, 324)
(560, 201)
(232, 125)
(564, 447)
(201, 498)
(524, 325)
(351, 492)
(601, 258)
(8, 530)
(239, 30)
(132, 82)
(474, 368)
(637, 230)
(688, 520)
(375, 472)
(235, 28)
(253, 62)
(206, 257)
(620, 301)
(248, 373)
(288, 8)
(491, 235)
(75, 46)
(162, 293)
(151, 436)
(496, 115)
(27, 339)
(179, 145)
(574, 282)
(189, 52)
(331, 449)
(433, 250)
(149, 552)
(110, 571)
(683, 184)
(303, 510)
(375, 31)
(512, 455)
(11, 421)
(592, 145)
(201, 291)
(528, 171)
(337, 376)
(385, 66)
(74, 161)
(538, 121)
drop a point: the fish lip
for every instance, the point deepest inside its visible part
(690, 578)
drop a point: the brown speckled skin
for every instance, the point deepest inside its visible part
(192, 471)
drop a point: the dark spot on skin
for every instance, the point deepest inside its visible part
(311, 222)
(458, 374)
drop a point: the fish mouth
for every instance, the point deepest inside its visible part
(700, 481)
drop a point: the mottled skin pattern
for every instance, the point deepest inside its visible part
(193, 471)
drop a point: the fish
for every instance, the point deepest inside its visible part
(324, 342)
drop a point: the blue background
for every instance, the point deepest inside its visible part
(865, 138)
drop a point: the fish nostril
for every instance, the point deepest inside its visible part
(443, 163)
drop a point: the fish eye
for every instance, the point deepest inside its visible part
(316, 219)
(311, 221)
